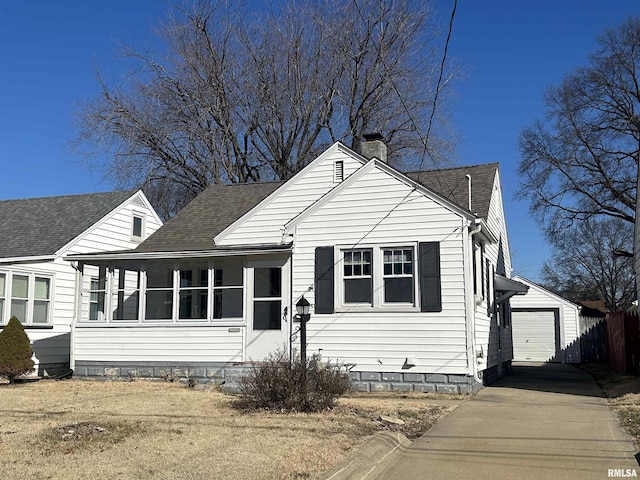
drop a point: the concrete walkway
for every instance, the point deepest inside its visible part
(542, 421)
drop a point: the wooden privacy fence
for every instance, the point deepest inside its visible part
(593, 339)
(623, 341)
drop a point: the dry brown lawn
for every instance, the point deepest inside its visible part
(131, 430)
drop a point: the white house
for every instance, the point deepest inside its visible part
(36, 285)
(406, 273)
(546, 326)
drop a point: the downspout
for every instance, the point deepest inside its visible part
(76, 312)
(472, 357)
(291, 311)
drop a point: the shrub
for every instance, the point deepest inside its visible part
(15, 351)
(276, 383)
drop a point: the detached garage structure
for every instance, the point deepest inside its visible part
(545, 326)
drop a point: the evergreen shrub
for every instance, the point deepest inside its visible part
(15, 351)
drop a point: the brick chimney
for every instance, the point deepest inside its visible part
(373, 146)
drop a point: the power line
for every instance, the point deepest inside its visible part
(439, 83)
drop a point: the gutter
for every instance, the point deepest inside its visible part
(37, 259)
(221, 252)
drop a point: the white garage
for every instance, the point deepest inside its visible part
(545, 326)
(535, 335)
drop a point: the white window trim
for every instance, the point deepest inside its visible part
(143, 216)
(377, 271)
(32, 275)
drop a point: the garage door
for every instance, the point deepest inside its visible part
(535, 335)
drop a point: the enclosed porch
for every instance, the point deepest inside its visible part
(191, 315)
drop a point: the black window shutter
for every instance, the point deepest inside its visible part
(429, 270)
(324, 280)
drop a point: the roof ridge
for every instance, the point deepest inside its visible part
(72, 195)
(460, 167)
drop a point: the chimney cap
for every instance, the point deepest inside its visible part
(369, 137)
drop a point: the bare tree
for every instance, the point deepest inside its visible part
(237, 97)
(587, 264)
(582, 161)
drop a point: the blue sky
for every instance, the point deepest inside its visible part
(513, 50)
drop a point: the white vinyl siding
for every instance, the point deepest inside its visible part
(113, 232)
(181, 344)
(496, 256)
(265, 225)
(378, 210)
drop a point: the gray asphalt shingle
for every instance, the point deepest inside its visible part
(217, 207)
(41, 226)
(451, 183)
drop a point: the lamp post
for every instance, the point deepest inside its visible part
(302, 307)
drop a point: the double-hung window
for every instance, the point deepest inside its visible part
(26, 296)
(41, 300)
(397, 275)
(358, 276)
(3, 295)
(378, 276)
(20, 297)
(403, 277)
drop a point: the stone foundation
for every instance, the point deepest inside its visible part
(413, 382)
(227, 374)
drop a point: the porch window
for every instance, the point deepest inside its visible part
(267, 298)
(227, 288)
(159, 294)
(193, 298)
(3, 283)
(125, 300)
(97, 289)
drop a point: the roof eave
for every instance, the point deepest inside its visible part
(32, 259)
(216, 252)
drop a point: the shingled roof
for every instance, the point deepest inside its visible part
(451, 183)
(217, 207)
(41, 226)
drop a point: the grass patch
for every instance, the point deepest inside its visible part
(130, 430)
(623, 393)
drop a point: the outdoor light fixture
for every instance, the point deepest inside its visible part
(302, 307)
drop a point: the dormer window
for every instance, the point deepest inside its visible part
(137, 226)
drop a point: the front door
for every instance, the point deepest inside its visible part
(268, 310)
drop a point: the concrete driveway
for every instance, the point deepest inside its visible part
(542, 421)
